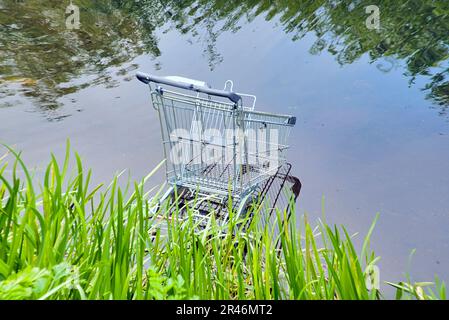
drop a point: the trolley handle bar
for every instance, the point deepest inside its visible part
(147, 78)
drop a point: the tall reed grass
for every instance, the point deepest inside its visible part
(62, 238)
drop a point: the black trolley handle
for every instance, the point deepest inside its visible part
(147, 78)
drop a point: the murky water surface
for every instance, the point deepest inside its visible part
(372, 105)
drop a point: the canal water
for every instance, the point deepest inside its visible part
(371, 99)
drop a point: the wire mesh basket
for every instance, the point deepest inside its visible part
(213, 141)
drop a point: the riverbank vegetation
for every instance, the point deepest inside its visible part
(63, 238)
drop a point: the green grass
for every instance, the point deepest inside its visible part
(62, 238)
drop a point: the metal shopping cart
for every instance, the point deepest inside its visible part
(216, 145)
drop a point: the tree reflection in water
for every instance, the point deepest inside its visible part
(41, 59)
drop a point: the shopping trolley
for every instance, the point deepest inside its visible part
(216, 145)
